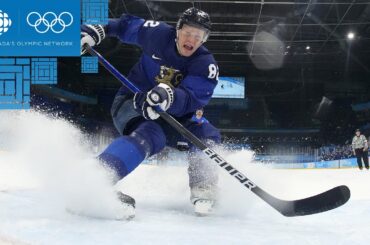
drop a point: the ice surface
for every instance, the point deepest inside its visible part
(47, 166)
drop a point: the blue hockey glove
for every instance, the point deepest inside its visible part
(91, 35)
(161, 95)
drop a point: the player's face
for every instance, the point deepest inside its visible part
(189, 40)
(199, 113)
(358, 133)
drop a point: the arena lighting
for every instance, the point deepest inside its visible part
(308, 47)
(350, 35)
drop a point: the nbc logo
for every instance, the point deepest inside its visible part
(5, 22)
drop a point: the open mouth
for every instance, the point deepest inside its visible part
(188, 47)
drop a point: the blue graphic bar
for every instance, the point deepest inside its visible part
(13, 76)
(10, 69)
(44, 71)
(89, 64)
(6, 61)
(39, 28)
(95, 12)
(15, 80)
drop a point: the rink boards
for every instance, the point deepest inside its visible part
(175, 158)
(342, 163)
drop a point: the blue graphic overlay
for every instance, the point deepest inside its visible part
(40, 28)
(89, 64)
(16, 76)
(14, 83)
(230, 87)
(44, 71)
(95, 12)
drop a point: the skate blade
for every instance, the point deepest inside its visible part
(129, 213)
(202, 209)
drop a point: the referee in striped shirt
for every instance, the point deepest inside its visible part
(359, 147)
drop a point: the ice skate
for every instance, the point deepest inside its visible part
(204, 207)
(128, 205)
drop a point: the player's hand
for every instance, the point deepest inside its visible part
(91, 35)
(161, 95)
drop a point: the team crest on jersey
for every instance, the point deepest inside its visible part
(169, 76)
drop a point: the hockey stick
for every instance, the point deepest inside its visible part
(322, 202)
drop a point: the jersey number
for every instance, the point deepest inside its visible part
(213, 71)
(151, 23)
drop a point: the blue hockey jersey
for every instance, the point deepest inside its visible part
(200, 120)
(194, 78)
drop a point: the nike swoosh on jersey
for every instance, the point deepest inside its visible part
(155, 57)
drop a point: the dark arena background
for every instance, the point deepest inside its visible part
(294, 86)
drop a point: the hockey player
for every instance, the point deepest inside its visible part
(198, 117)
(178, 74)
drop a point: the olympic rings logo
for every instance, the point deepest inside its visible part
(49, 21)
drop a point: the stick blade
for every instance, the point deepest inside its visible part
(322, 202)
